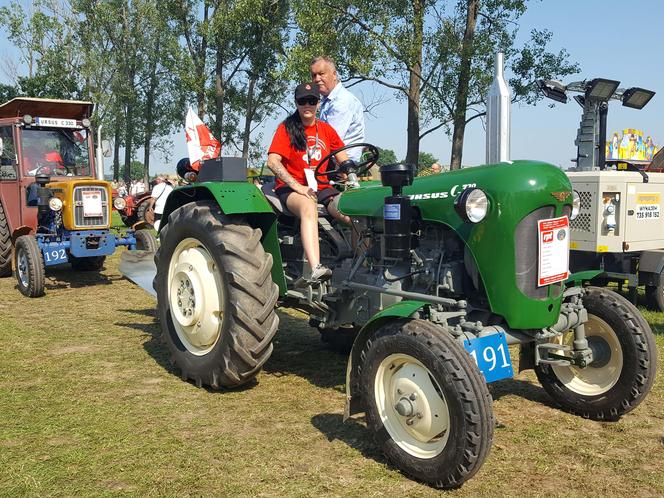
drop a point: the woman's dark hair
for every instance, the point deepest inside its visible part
(295, 130)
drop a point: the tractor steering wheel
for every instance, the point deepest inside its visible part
(52, 170)
(361, 168)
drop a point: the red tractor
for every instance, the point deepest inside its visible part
(136, 208)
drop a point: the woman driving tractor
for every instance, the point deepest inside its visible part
(299, 143)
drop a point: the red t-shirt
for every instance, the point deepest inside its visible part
(295, 161)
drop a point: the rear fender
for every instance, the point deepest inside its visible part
(237, 198)
(22, 230)
(400, 310)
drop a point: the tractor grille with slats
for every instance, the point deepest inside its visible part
(527, 246)
(90, 221)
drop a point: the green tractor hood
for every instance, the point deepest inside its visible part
(505, 244)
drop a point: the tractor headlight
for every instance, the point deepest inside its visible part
(472, 205)
(119, 203)
(55, 204)
(576, 204)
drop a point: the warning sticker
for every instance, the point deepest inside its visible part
(553, 236)
(647, 206)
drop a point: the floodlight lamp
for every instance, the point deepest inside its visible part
(601, 89)
(553, 89)
(581, 100)
(636, 97)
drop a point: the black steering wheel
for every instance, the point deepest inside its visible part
(360, 169)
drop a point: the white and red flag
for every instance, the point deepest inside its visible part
(201, 145)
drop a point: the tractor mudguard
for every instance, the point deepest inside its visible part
(581, 276)
(403, 309)
(237, 198)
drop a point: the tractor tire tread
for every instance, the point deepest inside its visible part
(5, 245)
(246, 342)
(468, 382)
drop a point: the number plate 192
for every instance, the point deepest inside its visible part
(54, 256)
(491, 355)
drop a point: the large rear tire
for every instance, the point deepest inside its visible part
(145, 212)
(5, 245)
(426, 403)
(655, 296)
(129, 220)
(624, 365)
(215, 296)
(29, 263)
(145, 241)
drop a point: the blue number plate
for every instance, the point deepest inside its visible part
(54, 255)
(491, 355)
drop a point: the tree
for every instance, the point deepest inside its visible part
(134, 172)
(386, 156)
(8, 92)
(425, 160)
(436, 57)
(478, 30)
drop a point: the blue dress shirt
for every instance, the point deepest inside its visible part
(345, 113)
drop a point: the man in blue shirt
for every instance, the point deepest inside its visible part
(339, 107)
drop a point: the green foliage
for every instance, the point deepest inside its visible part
(135, 171)
(8, 92)
(425, 160)
(386, 156)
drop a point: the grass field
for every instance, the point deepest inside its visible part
(91, 406)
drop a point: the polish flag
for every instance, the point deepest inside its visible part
(201, 145)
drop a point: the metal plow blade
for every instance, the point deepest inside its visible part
(139, 267)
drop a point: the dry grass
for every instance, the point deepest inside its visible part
(91, 406)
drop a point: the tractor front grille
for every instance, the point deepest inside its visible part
(80, 220)
(526, 248)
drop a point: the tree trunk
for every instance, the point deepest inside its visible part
(462, 87)
(200, 70)
(129, 135)
(413, 145)
(116, 151)
(219, 94)
(149, 116)
(248, 117)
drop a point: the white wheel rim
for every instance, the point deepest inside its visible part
(22, 268)
(593, 380)
(412, 406)
(195, 296)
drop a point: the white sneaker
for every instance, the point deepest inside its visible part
(321, 273)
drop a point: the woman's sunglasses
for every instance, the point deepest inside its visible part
(307, 101)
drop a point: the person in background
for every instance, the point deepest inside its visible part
(299, 143)
(339, 107)
(160, 193)
(122, 188)
(436, 168)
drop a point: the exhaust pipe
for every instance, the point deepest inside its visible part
(498, 116)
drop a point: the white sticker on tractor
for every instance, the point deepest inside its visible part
(92, 204)
(553, 235)
(647, 206)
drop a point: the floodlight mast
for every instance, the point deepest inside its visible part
(591, 135)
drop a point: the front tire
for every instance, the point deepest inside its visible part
(29, 262)
(624, 365)
(426, 403)
(5, 246)
(215, 296)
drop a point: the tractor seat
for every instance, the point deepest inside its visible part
(278, 206)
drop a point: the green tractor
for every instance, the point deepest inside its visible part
(444, 273)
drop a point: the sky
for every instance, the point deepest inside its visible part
(607, 38)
